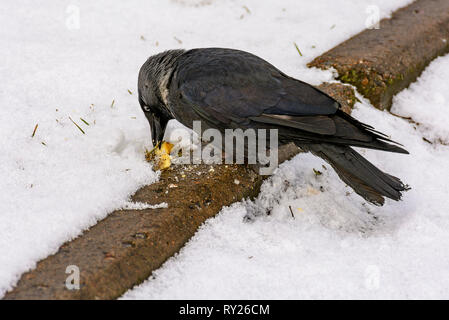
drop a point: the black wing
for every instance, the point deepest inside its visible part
(243, 85)
(231, 88)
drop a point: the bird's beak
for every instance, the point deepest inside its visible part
(157, 133)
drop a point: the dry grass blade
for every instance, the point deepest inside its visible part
(297, 49)
(77, 125)
(34, 131)
(291, 211)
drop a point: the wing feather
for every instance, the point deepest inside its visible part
(314, 124)
(242, 85)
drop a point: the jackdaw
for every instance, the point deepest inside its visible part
(227, 88)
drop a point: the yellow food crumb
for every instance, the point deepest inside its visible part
(160, 156)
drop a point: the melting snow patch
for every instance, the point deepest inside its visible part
(143, 206)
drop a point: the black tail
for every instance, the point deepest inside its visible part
(362, 176)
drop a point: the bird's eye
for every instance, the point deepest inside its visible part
(146, 108)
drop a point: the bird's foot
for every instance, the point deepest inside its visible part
(159, 156)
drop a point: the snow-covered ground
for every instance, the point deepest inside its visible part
(426, 102)
(337, 246)
(72, 59)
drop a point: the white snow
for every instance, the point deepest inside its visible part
(142, 206)
(64, 59)
(425, 99)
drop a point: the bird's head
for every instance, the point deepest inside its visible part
(153, 83)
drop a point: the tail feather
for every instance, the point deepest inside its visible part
(357, 172)
(381, 141)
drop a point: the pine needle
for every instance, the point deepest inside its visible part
(34, 131)
(77, 125)
(291, 211)
(84, 121)
(297, 49)
(112, 104)
(129, 91)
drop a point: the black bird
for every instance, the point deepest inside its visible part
(227, 88)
